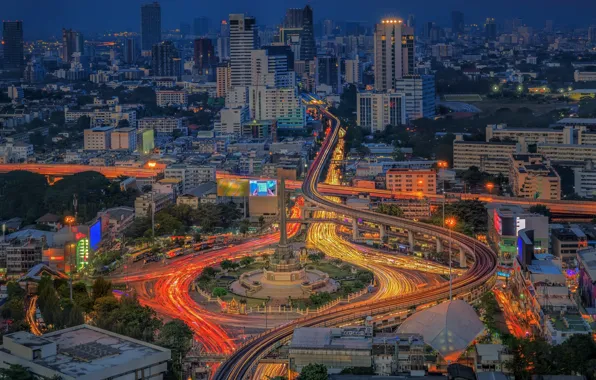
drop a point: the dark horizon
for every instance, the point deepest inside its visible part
(47, 18)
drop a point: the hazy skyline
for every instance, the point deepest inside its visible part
(46, 18)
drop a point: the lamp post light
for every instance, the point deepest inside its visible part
(443, 165)
(490, 186)
(450, 224)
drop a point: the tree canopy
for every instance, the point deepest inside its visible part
(313, 371)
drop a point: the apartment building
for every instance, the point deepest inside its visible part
(585, 180)
(412, 181)
(530, 135)
(376, 110)
(281, 104)
(490, 157)
(23, 256)
(567, 153)
(164, 124)
(101, 117)
(531, 176)
(146, 202)
(190, 175)
(124, 139)
(98, 138)
(165, 98)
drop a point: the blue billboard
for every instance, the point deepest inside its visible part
(263, 188)
(95, 235)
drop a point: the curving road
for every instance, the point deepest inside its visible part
(241, 363)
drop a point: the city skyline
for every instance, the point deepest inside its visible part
(50, 17)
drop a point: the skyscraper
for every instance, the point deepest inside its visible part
(457, 22)
(12, 40)
(166, 61)
(223, 42)
(394, 53)
(243, 39)
(204, 56)
(308, 47)
(130, 52)
(294, 18)
(150, 25)
(72, 42)
(490, 29)
(201, 26)
(328, 72)
(412, 21)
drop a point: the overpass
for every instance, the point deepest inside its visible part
(585, 209)
(478, 279)
(61, 170)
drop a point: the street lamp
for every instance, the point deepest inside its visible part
(450, 224)
(490, 186)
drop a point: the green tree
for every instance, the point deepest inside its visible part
(398, 155)
(227, 265)
(219, 292)
(81, 297)
(16, 372)
(261, 221)
(542, 210)
(244, 226)
(246, 261)
(316, 257)
(176, 336)
(57, 117)
(101, 288)
(390, 209)
(84, 122)
(314, 371)
(22, 194)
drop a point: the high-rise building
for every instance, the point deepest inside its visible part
(166, 61)
(12, 41)
(204, 56)
(376, 110)
(224, 79)
(328, 27)
(243, 40)
(353, 71)
(72, 42)
(420, 95)
(328, 72)
(457, 22)
(490, 29)
(592, 34)
(394, 53)
(308, 46)
(223, 42)
(131, 50)
(201, 26)
(150, 25)
(294, 18)
(270, 70)
(281, 50)
(412, 21)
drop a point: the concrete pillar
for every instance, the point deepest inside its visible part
(355, 232)
(462, 258)
(439, 245)
(383, 233)
(411, 240)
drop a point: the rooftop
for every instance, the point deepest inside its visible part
(331, 338)
(587, 260)
(569, 322)
(85, 350)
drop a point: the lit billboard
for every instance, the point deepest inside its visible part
(232, 187)
(95, 235)
(263, 188)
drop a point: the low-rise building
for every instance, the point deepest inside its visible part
(165, 98)
(584, 76)
(491, 358)
(489, 157)
(585, 180)
(531, 176)
(567, 153)
(15, 151)
(586, 260)
(166, 125)
(153, 201)
(205, 193)
(98, 138)
(21, 256)
(191, 175)
(84, 352)
(530, 135)
(412, 181)
(566, 243)
(559, 327)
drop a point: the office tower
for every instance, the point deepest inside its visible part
(12, 41)
(201, 26)
(420, 95)
(376, 110)
(294, 18)
(549, 26)
(328, 28)
(72, 42)
(204, 56)
(166, 61)
(223, 42)
(428, 28)
(592, 34)
(150, 25)
(353, 70)
(490, 29)
(457, 22)
(282, 50)
(394, 53)
(308, 47)
(243, 40)
(412, 21)
(271, 70)
(131, 51)
(328, 72)
(184, 29)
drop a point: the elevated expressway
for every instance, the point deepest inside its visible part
(478, 279)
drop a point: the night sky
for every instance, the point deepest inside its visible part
(44, 18)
